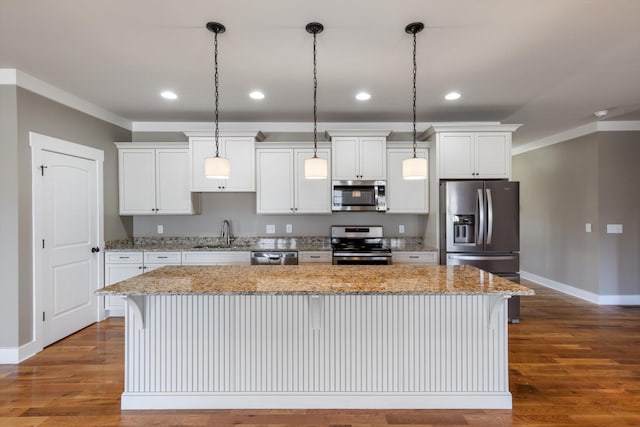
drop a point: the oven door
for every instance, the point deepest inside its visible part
(361, 260)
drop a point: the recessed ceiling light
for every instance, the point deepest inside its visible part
(167, 94)
(452, 96)
(363, 96)
(600, 114)
(256, 94)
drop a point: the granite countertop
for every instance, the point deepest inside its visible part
(151, 244)
(316, 279)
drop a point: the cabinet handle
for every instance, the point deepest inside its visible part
(95, 250)
(314, 256)
(163, 257)
(414, 256)
(123, 257)
(140, 268)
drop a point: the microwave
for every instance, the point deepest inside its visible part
(359, 196)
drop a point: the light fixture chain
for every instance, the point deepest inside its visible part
(415, 69)
(315, 99)
(215, 61)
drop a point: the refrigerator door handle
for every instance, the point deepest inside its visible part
(489, 216)
(480, 239)
(482, 257)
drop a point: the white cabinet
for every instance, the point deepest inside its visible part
(240, 150)
(315, 257)
(119, 266)
(359, 158)
(424, 258)
(405, 195)
(282, 187)
(474, 155)
(216, 258)
(154, 179)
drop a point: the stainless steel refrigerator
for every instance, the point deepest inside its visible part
(480, 226)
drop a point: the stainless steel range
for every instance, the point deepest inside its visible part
(359, 244)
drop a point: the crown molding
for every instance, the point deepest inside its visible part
(12, 76)
(604, 126)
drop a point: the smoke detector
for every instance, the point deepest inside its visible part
(600, 114)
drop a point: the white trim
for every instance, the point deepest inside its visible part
(581, 293)
(609, 126)
(15, 355)
(40, 143)
(293, 126)
(331, 133)
(151, 145)
(460, 400)
(16, 77)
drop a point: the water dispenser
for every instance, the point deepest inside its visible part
(464, 229)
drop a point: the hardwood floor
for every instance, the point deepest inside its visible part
(571, 364)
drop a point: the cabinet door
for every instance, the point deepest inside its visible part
(172, 182)
(405, 195)
(373, 158)
(493, 155)
(199, 150)
(311, 195)
(275, 181)
(345, 157)
(114, 273)
(137, 182)
(456, 155)
(241, 155)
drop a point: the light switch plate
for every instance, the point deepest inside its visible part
(614, 228)
(289, 228)
(160, 228)
(271, 229)
(401, 229)
(587, 227)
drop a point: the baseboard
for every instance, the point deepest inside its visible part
(581, 293)
(15, 355)
(460, 400)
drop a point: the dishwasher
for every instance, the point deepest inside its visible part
(274, 258)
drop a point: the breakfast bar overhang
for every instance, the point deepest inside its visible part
(316, 336)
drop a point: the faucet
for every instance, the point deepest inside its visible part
(226, 232)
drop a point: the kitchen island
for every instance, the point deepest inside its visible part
(316, 336)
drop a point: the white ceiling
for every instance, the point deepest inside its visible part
(548, 64)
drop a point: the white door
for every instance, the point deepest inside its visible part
(345, 158)
(70, 230)
(137, 175)
(405, 195)
(456, 154)
(275, 181)
(241, 155)
(312, 195)
(172, 181)
(373, 158)
(114, 273)
(493, 155)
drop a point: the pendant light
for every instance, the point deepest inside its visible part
(216, 167)
(315, 167)
(414, 167)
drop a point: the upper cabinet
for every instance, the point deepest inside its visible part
(480, 152)
(405, 195)
(154, 179)
(358, 155)
(239, 148)
(282, 187)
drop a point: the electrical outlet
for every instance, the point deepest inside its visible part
(271, 229)
(289, 228)
(160, 228)
(587, 227)
(401, 229)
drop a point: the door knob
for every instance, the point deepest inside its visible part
(96, 249)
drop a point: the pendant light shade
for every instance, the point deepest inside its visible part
(414, 167)
(216, 167)
(315, 167)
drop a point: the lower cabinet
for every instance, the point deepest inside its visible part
(315, 257)
(424, 258)
(119, 266)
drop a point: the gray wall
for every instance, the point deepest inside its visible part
(619, 190)
(591, 179)
(38, 114)
(9, 215)
(240, 208)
